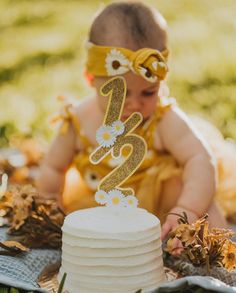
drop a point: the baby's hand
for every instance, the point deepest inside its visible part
(169, 225)
(171, 221)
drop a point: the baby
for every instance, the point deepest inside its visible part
(178, 174)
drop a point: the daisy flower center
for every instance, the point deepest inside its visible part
(106, 136)
(115, 200)
(130, 201)
(115, 64)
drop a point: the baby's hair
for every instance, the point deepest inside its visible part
(131, 25)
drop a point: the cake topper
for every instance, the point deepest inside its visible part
(112, 136)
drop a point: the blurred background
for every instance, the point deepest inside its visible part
(42, 56)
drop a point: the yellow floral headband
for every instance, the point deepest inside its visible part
(111, 61)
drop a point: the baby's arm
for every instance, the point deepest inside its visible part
(51, 180)
(199, 178)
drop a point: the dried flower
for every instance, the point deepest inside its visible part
(188, 234)
(36, 222)
(22, 199)
(221, 233)
(229, 255)
(202, 246)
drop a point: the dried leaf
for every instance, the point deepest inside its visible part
(12, 248)
(14, 245)
(48, 272)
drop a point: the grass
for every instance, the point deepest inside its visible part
(42, 56)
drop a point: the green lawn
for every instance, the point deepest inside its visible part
(42, 55)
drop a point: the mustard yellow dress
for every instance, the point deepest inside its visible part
(84, 177)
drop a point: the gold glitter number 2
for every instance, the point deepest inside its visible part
(116, 90)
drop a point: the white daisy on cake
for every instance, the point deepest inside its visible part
(118, 127)
(116, 63)
(131, 201)
(115, 198)
(105, 136)
(101, 196)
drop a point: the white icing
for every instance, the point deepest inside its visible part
(111, 250)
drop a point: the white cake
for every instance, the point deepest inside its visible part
(111, 250)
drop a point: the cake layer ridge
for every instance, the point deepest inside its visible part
(111, 252)
(107, 243)
(113, 270)
(136, 235)
(83, 287)
(128, 282)
(120, 261)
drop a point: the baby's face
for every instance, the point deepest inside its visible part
(141, 95)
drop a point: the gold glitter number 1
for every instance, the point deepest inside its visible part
(116, 90)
